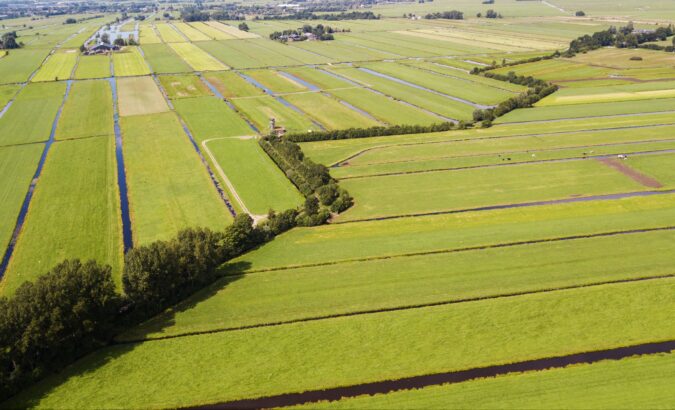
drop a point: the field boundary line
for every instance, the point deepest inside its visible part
(636, 114)
(451, 377)
(396, 309)
(602, 197)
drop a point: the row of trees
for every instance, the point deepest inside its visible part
(75, 308)
(490, 14)
(8, 41)
(309, 15)
(312, 180)
(623, 37)
(450, 15)
(368, 132)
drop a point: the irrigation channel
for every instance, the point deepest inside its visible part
(218, 94)
(127, 236)
(418, 382)
(31, 188)
(252, 81)
(214, 180)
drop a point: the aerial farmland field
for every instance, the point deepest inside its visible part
(434, 204)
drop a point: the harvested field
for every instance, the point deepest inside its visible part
(184, 86)
(140, 96)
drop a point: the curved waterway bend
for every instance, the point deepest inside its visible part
(31, 188)
(127, 237)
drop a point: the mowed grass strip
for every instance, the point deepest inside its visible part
(74, 213)
(330, 112)
(339, 352)
(453, 190)
(211, 32)
(190, 32)
(59, 66)
(256, 178)
(208, 118)
(338, 243)
(95, 66)
(169, 188)
(636, 382)
(183, 86)
(169, 34)
(32, 114)
(140, 96)
(260, 109)
(231, 30)
(88, 111)
(346, 288)
(129, 62)
(197, 58)
(231, 84)
(385, 109)
(17, 167)
(163, 59)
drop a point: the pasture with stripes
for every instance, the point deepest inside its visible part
(447, 204)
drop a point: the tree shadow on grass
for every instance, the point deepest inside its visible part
(125, 342)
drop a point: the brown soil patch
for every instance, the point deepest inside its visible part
(637, 176)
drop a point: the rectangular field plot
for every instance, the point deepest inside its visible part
(208, 118)
(433, 102)
(276, 82)
(330, 112)
(558, 70)
(190, 32)
(183, 86)
(17, 167)
(88, 111)
(20, 64)
(140, 96)
(259, 110)
(96, 66)
(553, 112)
(169, 34)
(611, 93)
(129, 62)
(452, 190)
(258, 181)
(148, 35)
(74, 213)
(169, 188)
(342, 52)
(342, 288)
(197, 58)
(231, 84)
(259, 53)
(385, 109)
(531, 326)
(231, 30)
(211, 32)
(635, 382)
(59, 66)
(318, 78)
(162, 59)
(32, 114)
(7, 92)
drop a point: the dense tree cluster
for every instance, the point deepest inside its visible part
(309, 15)
(538, 89)
(306, 32)
(623, 37)
(369, 132)
(312, 179)
(580, 13)
(450, 15)
(191, 13)
(8, 41)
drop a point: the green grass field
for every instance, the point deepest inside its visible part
(318, 78)
(31, 116)
(260, 109)
(464, 336)
(163, 59)
(59, 66)
(17, 167)
(148, 35)
(183, 86)
(96, 66)
(231, 84)
(208, 118)
(7, 92)
(275, 81)
(74, 213)
(169, 188)
(212, 33)
(169, 34)
(442, 191)
(329, 111)
(197, 58)
(637, 383)
(256, 178)
(88, 111)
(190, 32)
(129, 62)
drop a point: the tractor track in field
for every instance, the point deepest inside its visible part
(631, 173)
(603, 197)
(428, 304)
(392, 309)
(435, 379)
(365, 150)
(605, 158)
